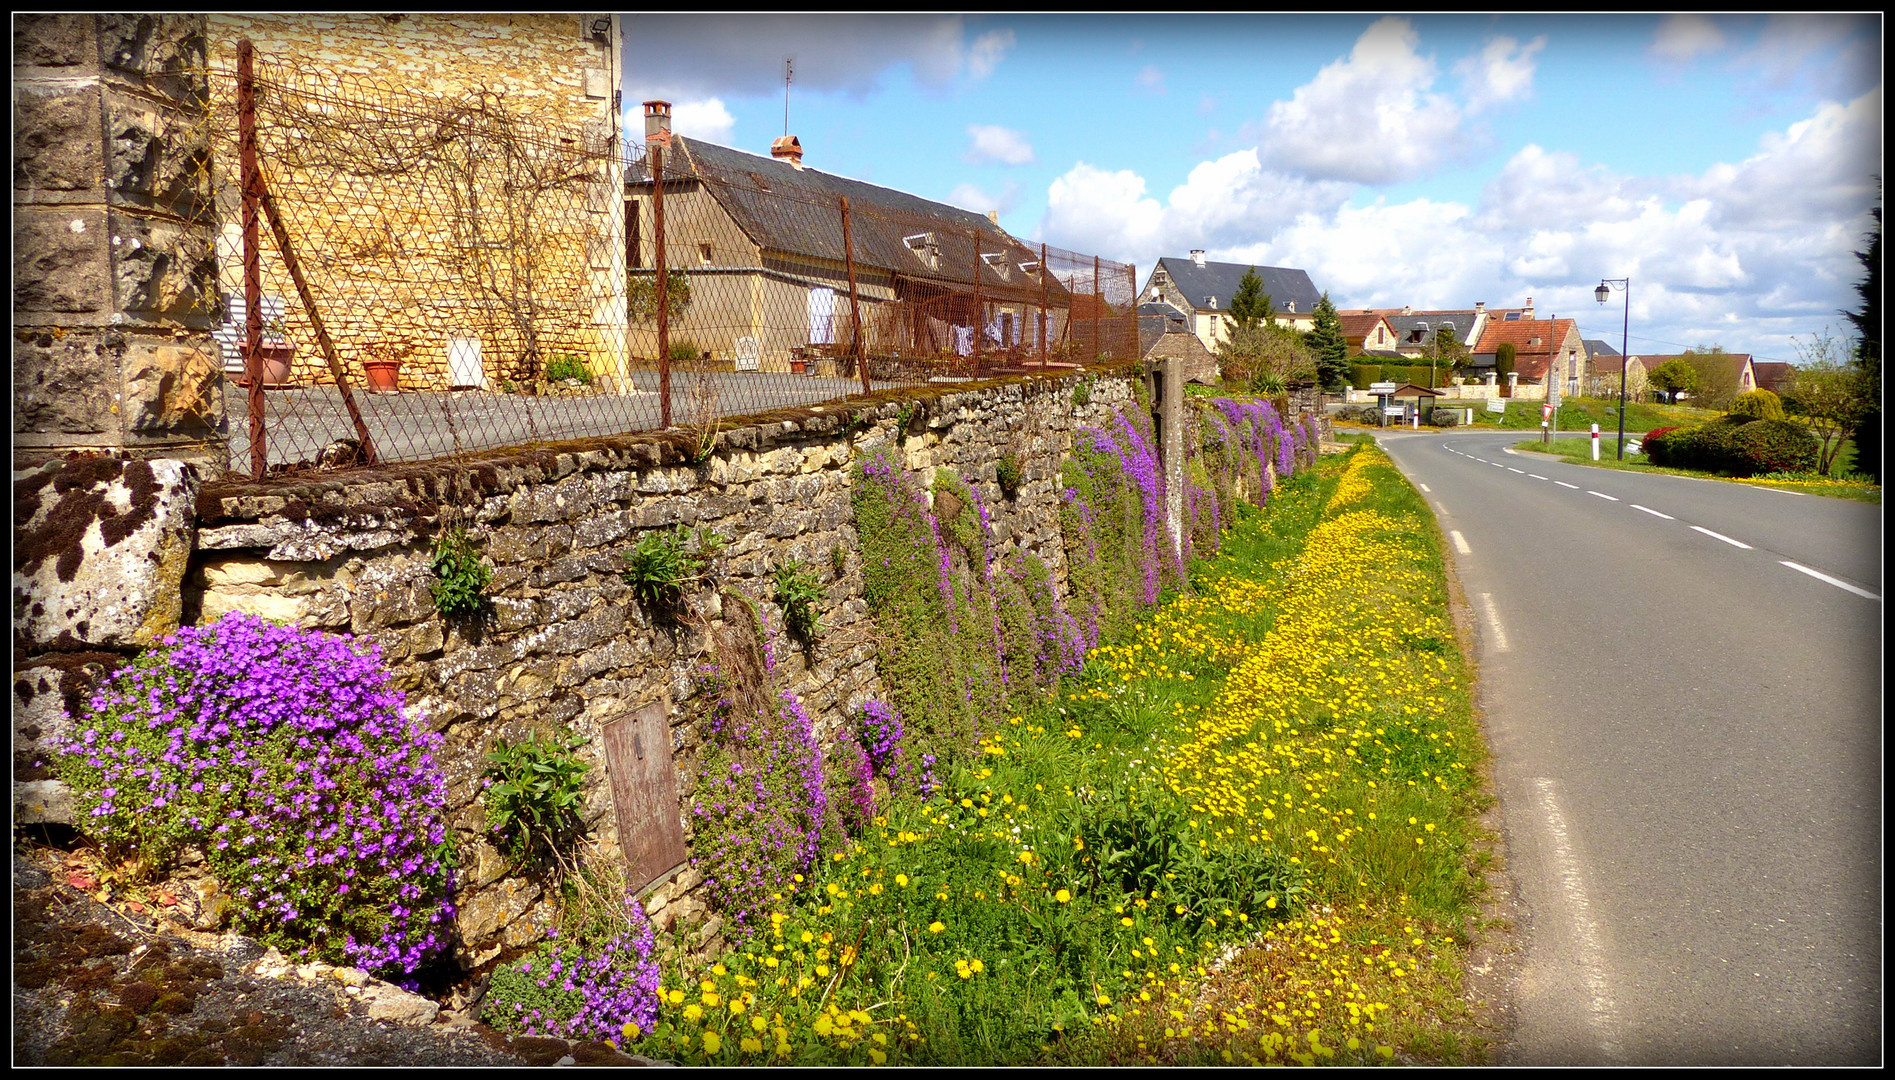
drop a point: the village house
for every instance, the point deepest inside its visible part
(1721, 376)
(1547, 353)
(1772, 375)
(1204, 291)
(760, 242)
(1364, 333)
(1164, 333)
(1604, 369)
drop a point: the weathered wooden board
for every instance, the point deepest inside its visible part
(645, 794)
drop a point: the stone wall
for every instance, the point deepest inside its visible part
(568, 648)
(113, 273)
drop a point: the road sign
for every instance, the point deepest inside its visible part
(1546, 411)
(1595, 442)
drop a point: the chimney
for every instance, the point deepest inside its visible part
(789, 149)
(658, 122)
(1480, 306)
(1197, 256)
(1407, 310)
(993, 216)
(1529, 312)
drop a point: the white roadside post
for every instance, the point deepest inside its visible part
(1546, 414)
(1595, 442)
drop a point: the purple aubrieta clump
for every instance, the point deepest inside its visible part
(288, 760)
(881, 737)
(581, 994)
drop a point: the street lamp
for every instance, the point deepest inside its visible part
(1602, 294)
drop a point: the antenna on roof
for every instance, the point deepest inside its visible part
(787, 66)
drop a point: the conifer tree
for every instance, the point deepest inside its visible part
(1325, 340)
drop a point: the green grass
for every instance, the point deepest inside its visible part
(1579, 452)
(1579, 414)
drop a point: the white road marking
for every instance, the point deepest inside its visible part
(1509, 450)
(1602, 495)
(1721, 536)
(1493, 620)
(1820, 576)
(1588, 956)
(1460, 542)
(1424, 488)
(1522, 472)
(1496, 464)
(1652, 512)
(1563, 483)
(1536, 476)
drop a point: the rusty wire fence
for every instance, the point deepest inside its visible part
(405, 277)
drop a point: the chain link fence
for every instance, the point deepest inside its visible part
(406, 276)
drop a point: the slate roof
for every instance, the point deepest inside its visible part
(1155, 320)
(797, 212)
(1428, 322)
(1218, 279)
(1597, 347)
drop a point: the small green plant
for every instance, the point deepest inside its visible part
(683, 351)
(1082, 392)
(838, 559)
(534, 793)
(568, 366)
(663, 565)
(460, 579)
(1268, 384)
(797, 593)
(903, 417)
(1009, 473)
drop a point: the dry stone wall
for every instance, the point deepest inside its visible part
(567, 647)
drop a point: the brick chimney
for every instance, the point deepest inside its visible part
(1197, 256)
(658, 122)
(993, 216)
(788, 149)
(1529, 311)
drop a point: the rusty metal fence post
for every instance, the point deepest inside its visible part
(980, 309)
(855, 303)
(252, 251)
(1098, 308)
(1043, 273)
(664, 300)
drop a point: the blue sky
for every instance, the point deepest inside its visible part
(1725, 164)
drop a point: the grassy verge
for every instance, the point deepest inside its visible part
(1579, 452)
(1579, 414)
(1242, 834)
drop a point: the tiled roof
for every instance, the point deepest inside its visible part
(1771, 374)
(783, 208)
(1357, 325)
(1217, 279)
(1534, 342)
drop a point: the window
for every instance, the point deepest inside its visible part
(997, 260)
(704, 252)
(925, 249)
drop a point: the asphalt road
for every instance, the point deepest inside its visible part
(1687, 739)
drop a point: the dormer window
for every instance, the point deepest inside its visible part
(997, 260)
(1291, 308)
(925, 249)
(1031, 266)
(1211, 302)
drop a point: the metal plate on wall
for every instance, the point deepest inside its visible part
(645, 794)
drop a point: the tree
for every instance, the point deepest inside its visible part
(1867, 319)
(1446, 348)
(1503, 359)
(1332, 365)
(1830, 398)
(1717, 376)
(1251, 305)
(1256, 350)
(1673, 377)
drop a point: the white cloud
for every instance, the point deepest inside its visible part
(1683, 38)
(1371, 118)
(972, 197)
(708, 120)
(987, 50)
(693, 57)
(1151, 79)
(1502, 71)
(992, 143)
(1090, 209)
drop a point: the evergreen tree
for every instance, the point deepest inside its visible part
(1503, 359)
(1867, 319)
(1251, 305)
(1325, 340)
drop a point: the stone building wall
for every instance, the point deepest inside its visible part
(403, 261)
(568, 648)
(113, 274)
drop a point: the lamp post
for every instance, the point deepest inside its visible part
(1602, 294)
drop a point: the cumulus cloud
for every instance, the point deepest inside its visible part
(1151, 79)
(972, 197)
(708, 120)
(991, 143)
(1371, 118)
(1683, 38)
(1501, 72)
(700, 56)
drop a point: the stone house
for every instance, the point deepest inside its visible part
(424, 262)
(1366, 333)
(1721, 376)
(760, 241)
(1164, 333)
(1603, 371)
(1204, 291)
(1546, 352)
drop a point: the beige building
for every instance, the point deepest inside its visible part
(1204, 291)
(449, 182)
(758, 243)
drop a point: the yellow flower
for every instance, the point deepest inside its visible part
(631, 1031)
(750, 1045)
(693, 1013)
(677, 997)
(710, 1000)
(1062, 896)
(808, 937)
(976, 965)
(936, 927)
(712, 1042)
(1127, 921)
(902, 880)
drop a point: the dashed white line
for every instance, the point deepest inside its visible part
(1652, 512)
(1602, 495)
(1424, 488)
(1522, 472)
(1493, 620)
(1460, 542)
(1721, 536)
(1589, 956)
(1820, 576)
(1536, 476)
(1563, 483)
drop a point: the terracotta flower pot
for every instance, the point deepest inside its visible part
(798, 367)
(276, 366)
(383, 374)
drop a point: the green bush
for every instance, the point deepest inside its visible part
(1444, 417)
(662, 566)
(534, 796)
(460, 580)
(1770, 446)
(1758, 404)
(683, 351)
(568, 366)
(798, 593)
(1361, 375)
(1706, 447)
(1009, 473)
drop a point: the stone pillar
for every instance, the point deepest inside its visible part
(1167, 383)
(114, 275)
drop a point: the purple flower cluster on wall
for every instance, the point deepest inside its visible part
(582, 994)
(287, 759)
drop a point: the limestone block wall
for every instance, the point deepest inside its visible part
(113, 273)
(568, 648)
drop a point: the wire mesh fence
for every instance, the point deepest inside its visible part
(405, 276)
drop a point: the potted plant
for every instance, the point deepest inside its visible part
(383, 365)
(274, 352)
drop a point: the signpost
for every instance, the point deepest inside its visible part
(1546, 415)
(1595, 442)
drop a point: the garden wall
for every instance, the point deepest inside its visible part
(567, 648)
